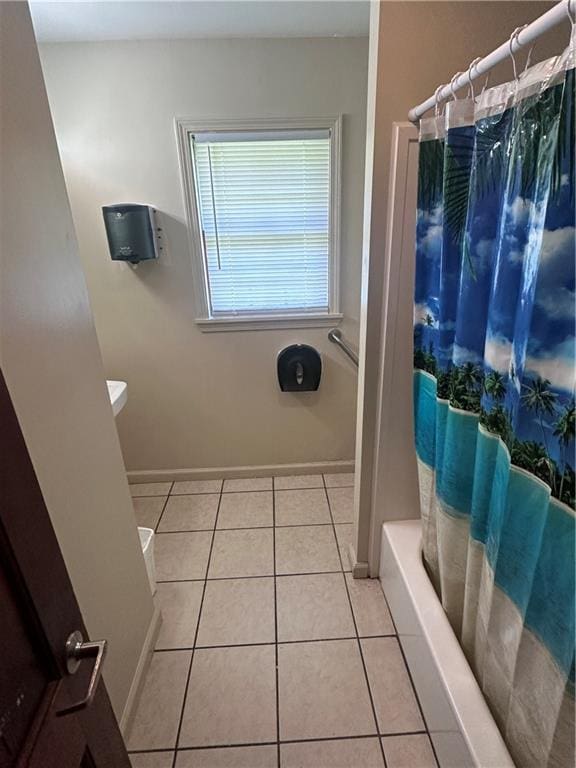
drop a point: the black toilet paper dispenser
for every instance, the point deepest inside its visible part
(299, 368)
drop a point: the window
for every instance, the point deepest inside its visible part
(263, 217)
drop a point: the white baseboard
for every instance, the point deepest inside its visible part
(360, 569)
(141, 669)
(262, 470)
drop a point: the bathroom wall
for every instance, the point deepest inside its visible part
(51, 362)
(433, 40)
(202, 399)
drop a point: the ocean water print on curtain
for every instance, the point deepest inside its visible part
(494, 389)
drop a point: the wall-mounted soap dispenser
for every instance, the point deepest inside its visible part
(132, 232)
(299, 369)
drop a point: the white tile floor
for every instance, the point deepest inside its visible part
(270, 654)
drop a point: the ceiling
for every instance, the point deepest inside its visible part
(86, 20)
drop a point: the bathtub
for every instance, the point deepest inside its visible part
(461, 726)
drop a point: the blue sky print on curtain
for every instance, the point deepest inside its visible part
(494, 388)
(501, 336)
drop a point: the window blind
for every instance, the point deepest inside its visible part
(264, 208)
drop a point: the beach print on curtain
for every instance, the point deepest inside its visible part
(494, 395)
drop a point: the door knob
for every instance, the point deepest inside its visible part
(76, 650)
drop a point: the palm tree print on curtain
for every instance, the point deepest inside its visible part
(494, 359)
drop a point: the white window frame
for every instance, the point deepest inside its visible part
(185, 127)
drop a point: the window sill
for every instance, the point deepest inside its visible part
(267, 323)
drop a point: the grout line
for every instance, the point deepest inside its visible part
(170, 492)
(310, 525)
(259, 576)
(196, 530)
(273, 488)
(259, 490)
(215, 493)
(199, 493)
(412, 684)
(359, 644)
(215, 647)
(271, 642)
(178, 581)
(248, 527)
(306, 573)
(155, 529)
(235, 745)
(254, 490)
(186, 688)
(332, 639)
(229, 493)
(276, 630)
(231, 746)
(347, 738)
(397, 636)
(218, 578)
(299, 488)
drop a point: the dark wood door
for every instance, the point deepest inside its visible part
(38, 612)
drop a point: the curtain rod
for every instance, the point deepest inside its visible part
(562, 11)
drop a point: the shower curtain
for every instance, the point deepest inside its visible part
(494, 395)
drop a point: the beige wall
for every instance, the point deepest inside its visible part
(423, 44)
(202, 399)
(414, 47)
(51, 361)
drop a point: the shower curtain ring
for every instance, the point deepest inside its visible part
(470, 68)
(452, 82)
(529, 57)
(569, 12)
(513, 39)
(437, 100)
